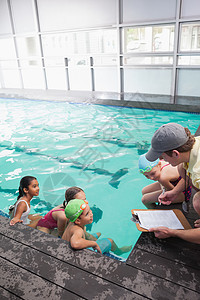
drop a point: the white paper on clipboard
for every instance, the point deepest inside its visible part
(166, 218)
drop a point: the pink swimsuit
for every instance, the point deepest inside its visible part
(48, 220)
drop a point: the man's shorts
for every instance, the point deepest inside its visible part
(104, 244)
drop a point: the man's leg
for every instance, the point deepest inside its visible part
(196, 205)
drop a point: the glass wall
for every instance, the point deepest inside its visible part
(188, 60)
(149, 39)
(150, 47)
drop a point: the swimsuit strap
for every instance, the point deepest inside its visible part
(61, 209)
(22, 200)
(164, 166)
(51, 211)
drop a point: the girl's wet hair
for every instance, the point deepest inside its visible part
(71, 193)
(24, 183)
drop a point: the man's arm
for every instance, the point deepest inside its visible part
(171, 195)
(180, 187)
(189, 235)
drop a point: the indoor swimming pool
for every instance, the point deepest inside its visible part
(94, 147)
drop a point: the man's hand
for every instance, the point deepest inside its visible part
(167, 198)
(162, 232)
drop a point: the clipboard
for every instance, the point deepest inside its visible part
(177, 212)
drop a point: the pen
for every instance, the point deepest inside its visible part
(163, 191)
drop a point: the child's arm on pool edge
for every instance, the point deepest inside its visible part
(17, 217)
(78, 242)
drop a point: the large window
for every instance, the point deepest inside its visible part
(76, 53)
(190, 37)
(149, 39)
(82, 42)
(123, 47)
(189, 52)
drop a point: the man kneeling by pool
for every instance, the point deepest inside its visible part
(79, 214)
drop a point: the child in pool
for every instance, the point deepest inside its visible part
(28, 188)
(56, 217)
(79, 214)
(166, 176)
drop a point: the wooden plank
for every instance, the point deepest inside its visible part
(171, 206)
(192, 214)
(167, 269)
(60, 273)
(191, 221)
(29, 286)
(129, 277)
(173, 249)
(5, 295)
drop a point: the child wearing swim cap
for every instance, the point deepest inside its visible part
(79, 214)
(55, 221)
(166, 177)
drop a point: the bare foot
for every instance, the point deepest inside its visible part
(197, 223)
(123, 250)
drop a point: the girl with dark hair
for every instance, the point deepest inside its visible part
(56, 217)
(73, 192)
(28, 188)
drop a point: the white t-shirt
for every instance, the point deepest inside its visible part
(193, 167)
(24, 216)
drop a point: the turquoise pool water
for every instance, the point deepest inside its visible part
(91, 146)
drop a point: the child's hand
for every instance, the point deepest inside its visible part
(96, 247)
(14, 221)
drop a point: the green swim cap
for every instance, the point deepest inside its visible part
(74, 209)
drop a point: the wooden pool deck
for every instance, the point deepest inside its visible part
(35, 265)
